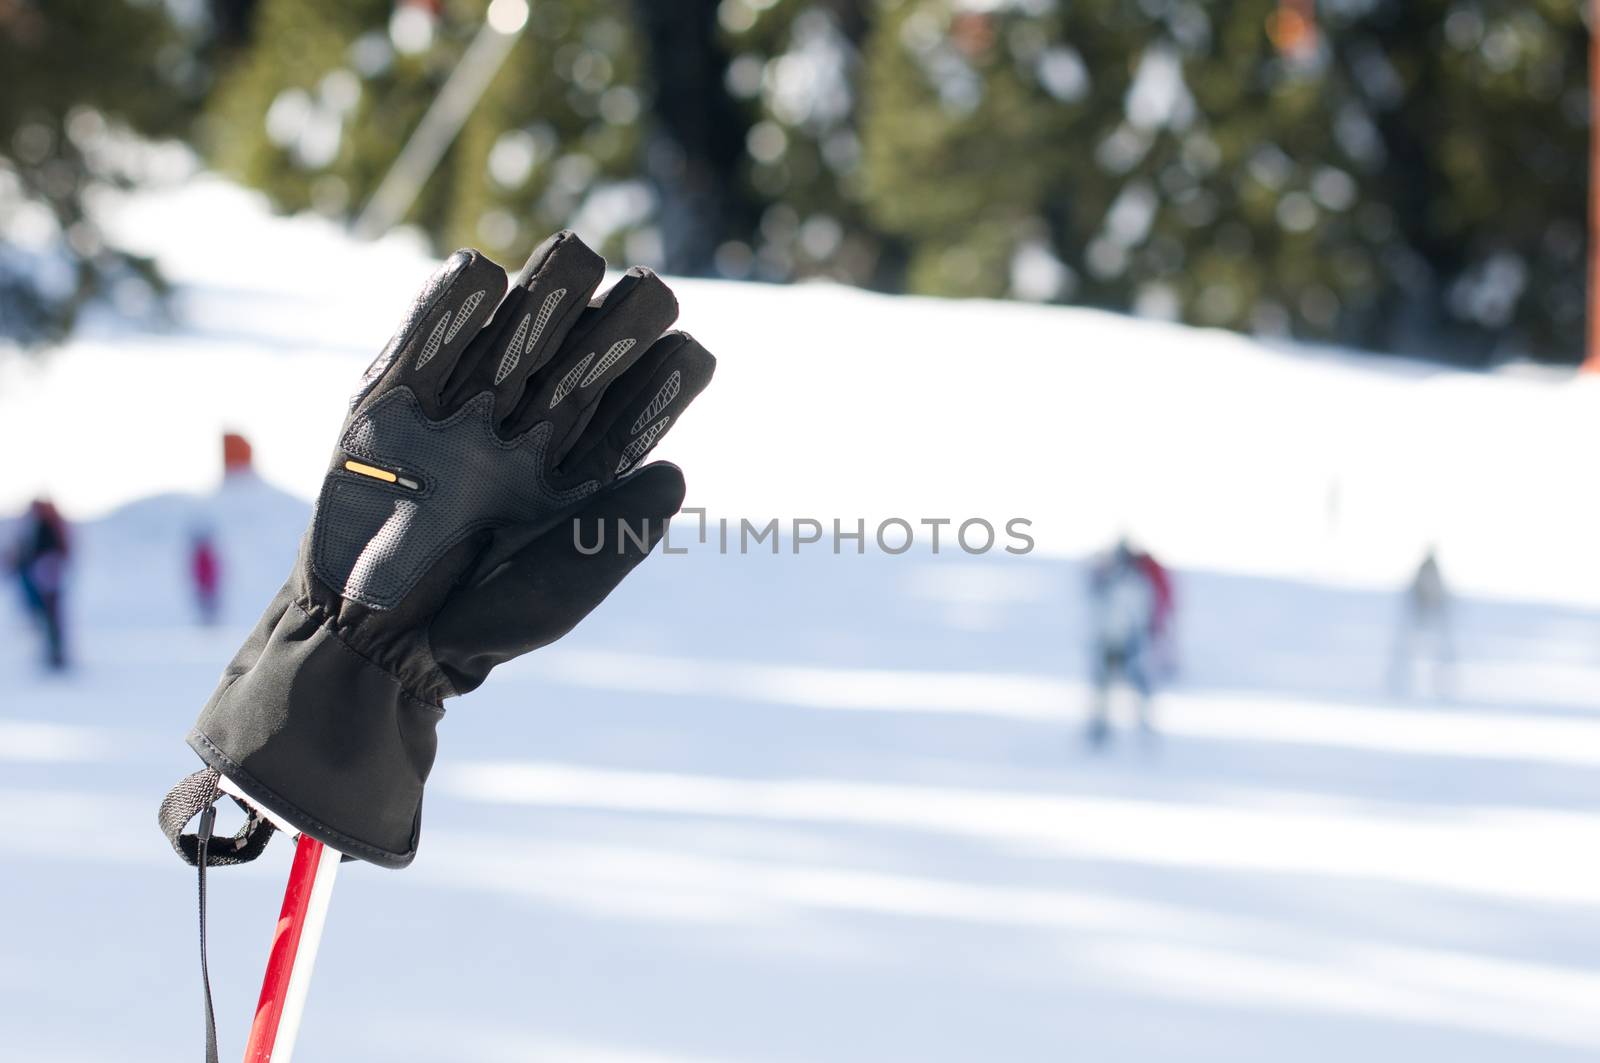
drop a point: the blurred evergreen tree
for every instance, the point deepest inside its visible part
(1265, 173)
(1481, 110)
(976, 118)
(797, 70)
(1163, 156)
(81, 76)
(326, 95)
(694, 150)
(1410, 175)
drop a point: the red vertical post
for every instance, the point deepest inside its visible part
(294, 946)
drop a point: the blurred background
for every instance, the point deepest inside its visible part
(1396, 176)
(1268, 318)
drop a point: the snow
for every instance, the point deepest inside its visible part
(832, 402)
(801, 806)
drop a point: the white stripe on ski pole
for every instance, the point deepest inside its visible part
(305, 957)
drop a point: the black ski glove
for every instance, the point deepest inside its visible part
(446, 539)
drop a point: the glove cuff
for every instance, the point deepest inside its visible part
(327, 740)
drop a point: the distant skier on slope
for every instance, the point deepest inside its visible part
(1425, 619)
(1131, 603)
(39, 560)
(205, 574)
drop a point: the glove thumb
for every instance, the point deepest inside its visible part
(548, 586)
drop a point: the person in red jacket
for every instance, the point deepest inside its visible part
(1162, 649)
(39, 561)
(205, 573)
(1131, 611)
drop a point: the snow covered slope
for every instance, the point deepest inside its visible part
(1215, 450)
(806, 807)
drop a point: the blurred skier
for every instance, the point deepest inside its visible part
(1131, 605)
(1425, 617)
(39, 560)
(205, 573)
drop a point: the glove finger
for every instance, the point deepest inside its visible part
(444, 319)
(609, 337)
(643, 405)
(440, 294)
(544, 303)
(555, 581)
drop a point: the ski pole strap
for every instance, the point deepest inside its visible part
(197, 795)
(208, 818)
(192, 797)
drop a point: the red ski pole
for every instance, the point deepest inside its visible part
(294, 950)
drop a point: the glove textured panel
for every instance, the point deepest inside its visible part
(374, 540)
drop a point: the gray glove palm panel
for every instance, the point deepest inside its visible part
(441, 544)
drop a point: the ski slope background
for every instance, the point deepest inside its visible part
(808, 807)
